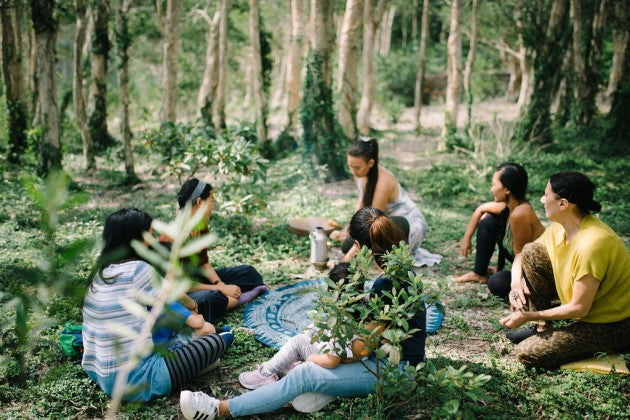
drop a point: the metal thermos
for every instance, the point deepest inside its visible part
(319, 250)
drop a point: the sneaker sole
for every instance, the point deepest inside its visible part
(310, 402)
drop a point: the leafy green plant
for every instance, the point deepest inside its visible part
(53, 273)
(184, 149)
(341, 315)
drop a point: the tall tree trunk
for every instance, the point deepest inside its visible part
(260, 97)
(469, 62)
(620, 39)
(347, 76)
(514, 83)
(588, 23)
(536, 122)
(417, 98)
(77, 86)
(208, 88)
(414, 20)
(526, 79)
(454, 73)
(294, 66)
(619, 123)
(97, 104)
(323, 143)
(123, 39)
(13, 81)
(371, 20)
(170, 50)
(218, 109)
(45, 34)
(386, 32)
(31, 78)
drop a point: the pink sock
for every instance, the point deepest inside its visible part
(252, 294)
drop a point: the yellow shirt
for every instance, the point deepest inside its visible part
(598, 251)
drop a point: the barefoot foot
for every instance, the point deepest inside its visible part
(471, 277)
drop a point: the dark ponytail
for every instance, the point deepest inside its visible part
(371, 227)
(186, 192)
(367, 148)
(576, 188)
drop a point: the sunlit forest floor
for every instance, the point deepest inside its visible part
(447, 186)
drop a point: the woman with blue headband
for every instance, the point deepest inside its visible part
(218, 290)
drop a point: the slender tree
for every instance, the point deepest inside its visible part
(97, 102)
(372, 17)
(123, 41)
(547, 38)
(470, 59)
(454, 72)
(77, 86)
(13, 80)
(619, 123)
(260, 95)
(417, 97)
(208, 88)
(294, 65)
(620, 40)
(218, 109)
(170, 50)
(323, 144)
(588, 26)
(347, 76)
(45, 26)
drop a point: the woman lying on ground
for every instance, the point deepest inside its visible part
(309, 386)
(509, 222)
(224, 288)
(582, 262)
(379, 188)
(122, 274)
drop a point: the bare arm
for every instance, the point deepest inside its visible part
(521, 226)
(328, 361)
(489, 207)
(584, 291)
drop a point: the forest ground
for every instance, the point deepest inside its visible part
(447, 186)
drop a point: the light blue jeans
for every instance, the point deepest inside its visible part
(347, 380)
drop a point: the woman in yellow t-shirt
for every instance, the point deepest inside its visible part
(583, 263)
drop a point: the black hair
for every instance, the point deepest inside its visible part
(371, 227)
(339, 271)
(576, 188)
(183, 196)
(514, 177)
(121, 228)
(367, 150)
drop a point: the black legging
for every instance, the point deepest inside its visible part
(491, 231)
(190, 360)
(399, 221)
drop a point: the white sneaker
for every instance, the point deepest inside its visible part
(309, 402)
(198, 405)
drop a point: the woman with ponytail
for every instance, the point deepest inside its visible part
(580, 261)
(379, 188)
(509, 222)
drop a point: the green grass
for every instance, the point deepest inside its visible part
(57, 387)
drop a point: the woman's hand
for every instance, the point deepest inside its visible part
(230, 290)
(517, 296)
(514, 320)
(465, 247)
(339, 235)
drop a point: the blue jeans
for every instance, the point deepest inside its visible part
(347, 380)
